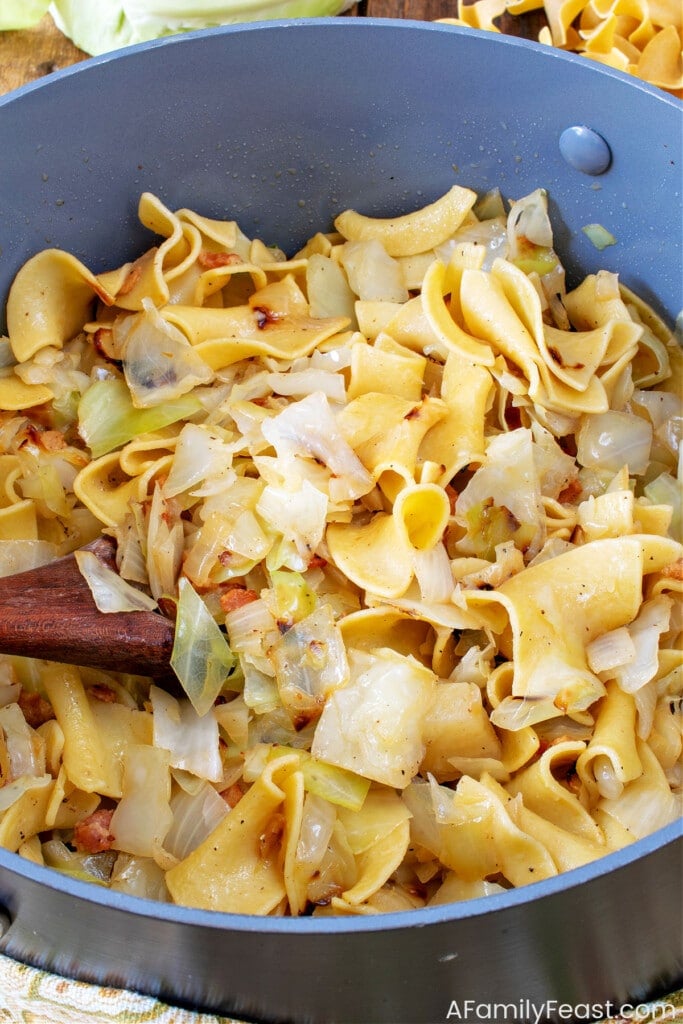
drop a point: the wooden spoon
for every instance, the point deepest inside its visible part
(50, 613)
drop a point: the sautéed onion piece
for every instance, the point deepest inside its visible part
(414, 505)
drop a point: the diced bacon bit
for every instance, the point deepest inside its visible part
(233, 794)
(236, 597)
(104, 693)
(35, 709)
(674, 571)
(93, 834)
(570, 493)
(52, 440)
(452, 496)
(210, 260)
(270, 837)
(317, 562)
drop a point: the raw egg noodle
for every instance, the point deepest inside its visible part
(414, 506)
(640, 37)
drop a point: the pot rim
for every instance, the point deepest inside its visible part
(341, 24)
(447, 913)
(13, 865)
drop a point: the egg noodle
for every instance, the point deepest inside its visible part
(414, 506)
(640, 37)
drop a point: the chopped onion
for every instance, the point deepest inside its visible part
(159, 363)
(110, 592)
(645, 631)
(305, 382)
(201, 657)
(372, 273)
(609, 786)
(25, 750)
(599, 236)
(88, 867)
(528, 221)
(610, 650)
(614, 439)
(195, 816)
(433, 573)
(139, 876)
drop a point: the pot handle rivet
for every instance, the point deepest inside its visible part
(585, 150)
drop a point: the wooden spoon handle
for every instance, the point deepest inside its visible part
(50, 613)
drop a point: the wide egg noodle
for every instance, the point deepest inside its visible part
(16, 394)
(548, 643)
(414, 232)
(378, 835)
(231, 871)
(25, 815)
(379, 555)
(457, 727)
(18, 516)
(385, 367)
(568, 849)
(457, 440)
(448, 332)
(639, 37)
(543, 791)
(148, 277)
(477, 837)
(225, 336)
(386, 432)
(49, 302)
(613, 741)
(449, 569)
(107, 490)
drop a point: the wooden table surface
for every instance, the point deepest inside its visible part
(30, 54)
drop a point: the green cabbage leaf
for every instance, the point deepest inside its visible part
(111, 24)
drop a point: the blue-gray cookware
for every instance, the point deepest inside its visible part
(281, 125)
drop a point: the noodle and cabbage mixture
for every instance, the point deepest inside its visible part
(414, 506)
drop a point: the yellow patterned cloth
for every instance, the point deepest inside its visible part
(31, 996)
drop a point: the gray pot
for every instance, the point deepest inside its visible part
(280, 126)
